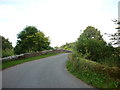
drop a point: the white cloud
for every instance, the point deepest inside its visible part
(61, 20)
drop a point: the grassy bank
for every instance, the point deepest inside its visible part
(93, 73)
(8, 64)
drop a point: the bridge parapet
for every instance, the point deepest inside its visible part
(28, 55)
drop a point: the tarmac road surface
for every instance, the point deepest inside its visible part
(48, 72)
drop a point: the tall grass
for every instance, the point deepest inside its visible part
(95, 74)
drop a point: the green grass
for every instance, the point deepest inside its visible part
(97, 80)
(8, 64)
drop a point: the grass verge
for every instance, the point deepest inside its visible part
(97, 80)
(8, 64)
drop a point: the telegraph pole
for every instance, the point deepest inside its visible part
(118, 38)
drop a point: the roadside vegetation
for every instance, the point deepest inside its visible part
(95, 61)
(29, 40)
(93, 73)
(7, 48)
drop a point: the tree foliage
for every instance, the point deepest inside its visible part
(91, 45)
(90, 33)
(31, 40)
(68, 46)
(7, 48)
(115, 38)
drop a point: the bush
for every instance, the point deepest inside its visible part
(7, 52)
(7, 48)
(84, 64)
(91, 45)
(94, 73)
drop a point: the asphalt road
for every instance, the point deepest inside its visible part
(49, 72)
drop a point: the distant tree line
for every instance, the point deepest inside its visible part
(68, 46)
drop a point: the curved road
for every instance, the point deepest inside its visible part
(49, 72)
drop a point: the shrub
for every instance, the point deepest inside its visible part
(7, 48)
(93, 73)
(7, 52)
(84, 64)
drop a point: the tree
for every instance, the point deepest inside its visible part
(56, 47)
(91, 44)
(40, 42)
(68, 46)
(7, 48)
(90, 32)
(31, 40)
(28, 31)
(115, 38)
(116, 41)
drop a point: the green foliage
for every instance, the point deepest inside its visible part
(115, 39)
(89, 33)
(91, 46)
(31, 40)
(112, 60)
(68, 46)
(7, 48)
(7, 52)
(93, 73)
(56, 47)
(28, 31)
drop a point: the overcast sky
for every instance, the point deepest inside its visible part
(61, 20)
